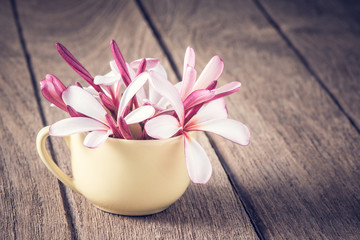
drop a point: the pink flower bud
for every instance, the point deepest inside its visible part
(52, 89)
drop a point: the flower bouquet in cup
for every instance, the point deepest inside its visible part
(119, 105)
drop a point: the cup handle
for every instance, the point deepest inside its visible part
(49, 162)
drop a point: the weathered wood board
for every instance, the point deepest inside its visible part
(299, 178)
(298, 63)
(326, 35)
(27, 210)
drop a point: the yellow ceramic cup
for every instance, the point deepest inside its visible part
(127, 177)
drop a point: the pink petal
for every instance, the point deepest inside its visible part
(230, 129)
(188, 82)
(212, 85)
(83, 102)
(198, 97)
(142, 67)
(140, 114)
(108, 103)
(76, 65)
(191, 112)
(197, 161)
(211, 72)
(227, 89)
(150, 63)
(189, 59)
(124, 129)
(213, 110)
(50, 93)
(74, 125)
(120, 62)
(58, 85)
(162, 127)
(96, 138)
(117, 88)
(113, 127)
(79, 85)
(168, 91)
(131, 90)
(74, 113)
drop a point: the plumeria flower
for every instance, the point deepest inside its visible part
(95, 118)
(207, 78)
(212, 117)
(117, 105)
(202, 108)
(112, 79)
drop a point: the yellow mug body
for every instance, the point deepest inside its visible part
(127, 177)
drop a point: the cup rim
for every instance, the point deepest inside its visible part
(138, 141)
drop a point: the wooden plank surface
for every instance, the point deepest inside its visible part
(27, 210)
(209, 211)
(299, 178)
(327, 34)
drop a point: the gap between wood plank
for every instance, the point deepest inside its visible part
(303, 60)
(159, 39)
(69, 215)
(249, 209)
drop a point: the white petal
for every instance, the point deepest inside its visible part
(108, 79)
(162, 127)
(167, 90)
(178, 86)
(163, 103)
(140, 114)
(160, 70)
(197, 161)
(211, 72)
(188, 82)
(213, 110)
(154, 96)
(92, 91)
(230, 129)
(229, 87)
(131, 72)
(141, 96)
(83, 102)
(96, 138)
(131, 90)
(114, 67)
(69, 126)
(189, 59)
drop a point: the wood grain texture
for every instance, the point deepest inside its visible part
(327, 33)
(299, 178)
(27, 210)
(209, 211)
